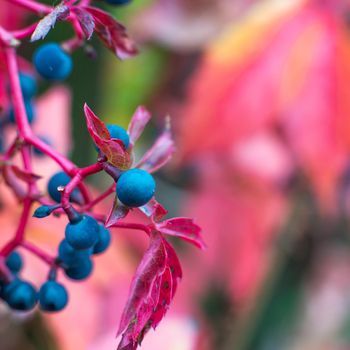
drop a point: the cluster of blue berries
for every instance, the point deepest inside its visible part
(21, 295)
(84, 237)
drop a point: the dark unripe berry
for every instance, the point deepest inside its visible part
(52, 62)
(30, 111)
(57, 180)
(70, 256)
(28, 85)
(80, 271)
(53, 296)
(104, 240)
(37, 151)
(20, 295)
(118, 2)
(83, 233)
(135, 187)
(14, 262)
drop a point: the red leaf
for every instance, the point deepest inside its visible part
(137, 124)
(117, 212)
(97, 129)
(86, 21)
(184, 228)
(24, 174)
(154, 210)
(151, 292)
(168, 284)
(112, 33)
(113, 149)
(116, 154)
(44, 26)
(12, 182)
(160, 153)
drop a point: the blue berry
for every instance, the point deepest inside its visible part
(117, 132)
(80, 271)
(28, 85)
(60, 179)
(20, 295)
(53, 296)
(83, 233)
(29, 110)
(70, 256)
(135, 187)
(37, 151)
(14, 262)
(118, 2)
(52, 62)
(104, 240)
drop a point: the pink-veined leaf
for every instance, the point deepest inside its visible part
(86, 21)
(118, 211)
(60, 12)
(113, 149)
(160, 153)
(151, 292)
(137, 124)
(112, 33)
(154, 210)
(184, 228)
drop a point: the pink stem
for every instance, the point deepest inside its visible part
(80, 175)
(16, 93)
(38, 252)
(12, 244)
(23, 125)
(100, 198)
(133, 226)
(11, 150)
(39, 9)
(24, 32)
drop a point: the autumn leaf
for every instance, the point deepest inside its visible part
(160, 153)
(154, 210)
(118, 211)
(85, 20)
(112, 33)
(137, 124)
(183, 228)
(151, 292)
(113, 149)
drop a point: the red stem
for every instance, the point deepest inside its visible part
(39, 9)
(39, 253)
(100, 198)
(24, 32)
(17, 240)
(79, 176)
(132, 226)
